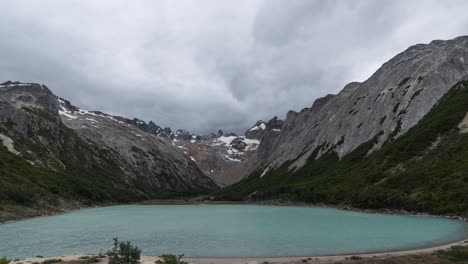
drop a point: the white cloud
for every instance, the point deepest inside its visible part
(204, 65)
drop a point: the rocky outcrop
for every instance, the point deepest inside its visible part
(385, 106)
(182, 134)
(463, 126)
(257, 131)
(261, 128)
(238, 144)
(29, 117)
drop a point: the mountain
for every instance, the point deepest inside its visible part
(392, 100)
(261, 128)
(226, 157)
(341, 149)
(55, 152)
(139, 154)
(221, 158)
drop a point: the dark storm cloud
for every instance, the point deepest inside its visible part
(204, 65)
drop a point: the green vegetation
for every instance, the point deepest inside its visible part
(71, 169)
(23, 183)
(426, 169)
(170, 259)
(124, 253)
(4, 260)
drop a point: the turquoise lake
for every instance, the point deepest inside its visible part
(224, 231)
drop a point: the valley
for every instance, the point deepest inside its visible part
(383, 143)
(394, 146)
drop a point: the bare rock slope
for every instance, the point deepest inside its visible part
(386, 105)
(140, 154)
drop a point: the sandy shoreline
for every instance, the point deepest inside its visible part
(278, 260)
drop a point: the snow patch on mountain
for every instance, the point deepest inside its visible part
(229, 157)
(75, 113)
(463, 126)
(65, 112)
(261, 126)
(224, 140)
(229, 140)
(9, 144)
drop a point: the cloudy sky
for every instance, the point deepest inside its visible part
(204, 65)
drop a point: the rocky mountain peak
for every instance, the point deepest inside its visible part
(29, 95)
(274, 124)
(257, 131)
(321, 102)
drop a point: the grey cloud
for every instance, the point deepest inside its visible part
(205, 65)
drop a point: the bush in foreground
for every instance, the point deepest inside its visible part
(124, 253)
(4, 260)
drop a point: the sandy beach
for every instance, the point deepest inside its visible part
(260, 260)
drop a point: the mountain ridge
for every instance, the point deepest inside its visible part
(390, 101)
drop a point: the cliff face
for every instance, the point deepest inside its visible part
(386, 105)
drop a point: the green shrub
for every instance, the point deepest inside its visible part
(4, 260)
(171, 259)
(124, 253)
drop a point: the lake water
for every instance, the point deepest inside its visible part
(224, 231)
